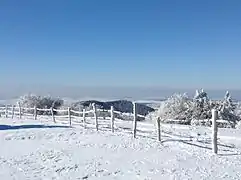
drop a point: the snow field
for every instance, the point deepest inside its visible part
(43, 150)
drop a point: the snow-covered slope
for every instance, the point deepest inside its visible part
(42, 150)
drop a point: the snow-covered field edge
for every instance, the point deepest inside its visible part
(41, 149)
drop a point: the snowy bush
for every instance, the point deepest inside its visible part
(152, 117)
(202, 106)
(204, 122)
(238, 125)
(227, 109)
(180, 109)
(41, 102)
(176, 107)
(238, 110)
(202, 110)
(208, 122)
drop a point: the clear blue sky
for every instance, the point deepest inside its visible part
(121, 43)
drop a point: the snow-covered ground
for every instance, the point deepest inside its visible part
(43, 150)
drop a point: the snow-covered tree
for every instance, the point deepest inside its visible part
(202, 106)
(176, 107)
(237, 111)
(227, 108)
(42, 102)
(196, 94)
(198, 110)
(238, 125)
(228, 103)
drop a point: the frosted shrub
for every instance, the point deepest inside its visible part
(176, 107)
(152, 117)
(202, 106)
(238, 125)
(238, 110)
(238, 114)
(198, 111)
(228, 109)
(29, 100)
(41, 102)
(203, 122)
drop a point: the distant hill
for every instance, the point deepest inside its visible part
(123, 106)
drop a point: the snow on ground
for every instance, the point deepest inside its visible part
(43, 150)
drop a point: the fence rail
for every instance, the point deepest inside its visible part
(12, 111)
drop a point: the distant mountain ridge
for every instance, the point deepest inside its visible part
(123, 106)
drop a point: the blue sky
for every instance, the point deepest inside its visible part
(172, 43)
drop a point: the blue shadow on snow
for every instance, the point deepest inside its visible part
(8, 127)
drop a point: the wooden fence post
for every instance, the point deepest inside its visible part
(20, 111)
(134, 120)
(6, 111)
(52, 113)
(80, 114)
(12, 111)
(95, 116)
(69, 114)
(84, 121)
(103, 110)
(112, 115)
(214, 131)
(158, 129)
(35, 112)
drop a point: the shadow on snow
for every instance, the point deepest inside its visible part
(9, 127)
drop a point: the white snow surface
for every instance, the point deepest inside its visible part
(40, 149)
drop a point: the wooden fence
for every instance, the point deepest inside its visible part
(18, 111)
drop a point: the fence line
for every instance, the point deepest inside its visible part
(60, 110)
(76, 112)
(43, 109)
(11, 111)
(33, 111)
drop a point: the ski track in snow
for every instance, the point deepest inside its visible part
(31, 151)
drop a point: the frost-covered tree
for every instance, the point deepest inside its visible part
(176, 107)
(227, 109)
(237, 111)
(42, 102)
(198, 109)
(202, 106)
(228, 103)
